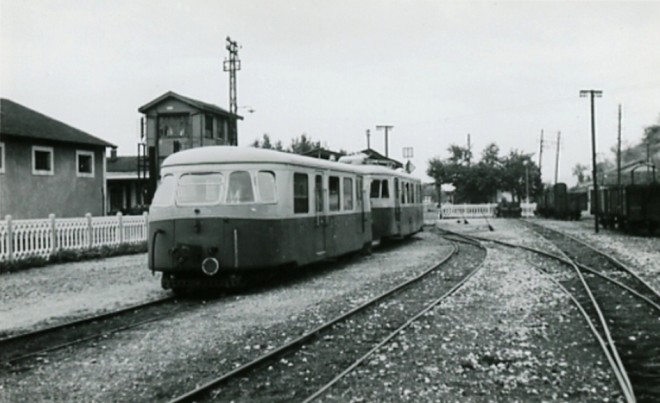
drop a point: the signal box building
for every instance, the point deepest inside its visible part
(174, 123)
(48, 167)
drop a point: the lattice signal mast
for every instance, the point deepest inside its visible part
(232, 65)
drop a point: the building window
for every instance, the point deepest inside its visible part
(2, 158)
(42, 160)
(177, 125)
(300, 193)
(85, 163)
(208, 126)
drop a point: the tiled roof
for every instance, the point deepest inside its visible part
(190, 101)
(17, 120)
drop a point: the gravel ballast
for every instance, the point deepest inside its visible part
(509, 335)
(50, 295)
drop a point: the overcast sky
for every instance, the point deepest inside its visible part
(436, 71)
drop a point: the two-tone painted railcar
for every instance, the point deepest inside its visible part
(396, 203)
(222, 212)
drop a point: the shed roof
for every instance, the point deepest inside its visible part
(190, 101)
(20, 121)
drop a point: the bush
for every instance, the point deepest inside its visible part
(73, 255)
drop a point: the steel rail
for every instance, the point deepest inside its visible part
(608, 348)
(393, 334)
(620, 284)
(79, 322)
(204, 388)
(83, 321)
(606, 255)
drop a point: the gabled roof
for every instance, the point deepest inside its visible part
(190, 101)
(323, 154)
(374, 155)
(17, 120)
(121, 164)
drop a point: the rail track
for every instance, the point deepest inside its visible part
(295, 371)
(23, 346)
(621, 309)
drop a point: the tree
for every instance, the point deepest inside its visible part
(303, 144)
(579, 171)
(517, 168)
(267, 144)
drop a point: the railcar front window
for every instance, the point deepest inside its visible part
(240, 188)
(164, 193)
(266, 180)
(385, 194)
(199, 188)
(375, 189)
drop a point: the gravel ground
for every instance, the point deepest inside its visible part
(509, 335)
(519, 338)
(49, 295)
(146, 364)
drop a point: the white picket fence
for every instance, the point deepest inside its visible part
(42, 237)
(479, 210)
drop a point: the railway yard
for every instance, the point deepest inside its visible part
(438, 317)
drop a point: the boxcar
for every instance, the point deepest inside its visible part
(221, 212)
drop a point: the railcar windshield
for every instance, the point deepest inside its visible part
(240, 188)
(163, 196)
(266, 184)
(199, 188)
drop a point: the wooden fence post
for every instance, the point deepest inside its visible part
(120, 223)
(146, 225)
(10, 238)
(90, 230)
(53, 234)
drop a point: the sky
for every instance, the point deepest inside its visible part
(435, 70)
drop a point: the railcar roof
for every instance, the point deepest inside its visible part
(238, 155)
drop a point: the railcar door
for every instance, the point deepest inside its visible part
(398, 195)
(321, 214)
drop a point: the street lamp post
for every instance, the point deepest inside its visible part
(592, 94)
(526, 182)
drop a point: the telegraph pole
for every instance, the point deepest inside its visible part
(618, 152)
(387, 128)
(232, 65)
(592, 94)
(557, 157)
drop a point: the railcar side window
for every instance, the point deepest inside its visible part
(375, 189)
(240, 188)
(199, 188)
(163, 196)
(318, 193)
(266, 182)
(348, 194)
(333, 185)
(300, 193)
(385, 194)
